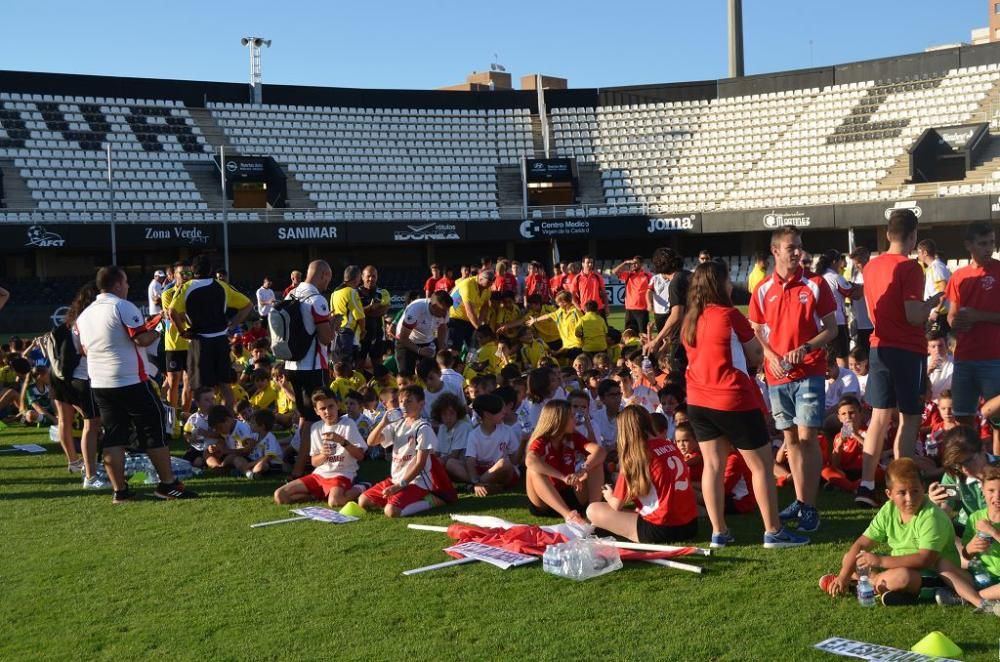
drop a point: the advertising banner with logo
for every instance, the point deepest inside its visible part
(959, 209)
(618, 227)
(246, 168)
(171, 235)
(54, 237)
(287, 234)
(550, 170)
(767, 220)
(415, 232)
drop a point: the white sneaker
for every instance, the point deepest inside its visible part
(94, 483)
(251, 475)
(75, 467)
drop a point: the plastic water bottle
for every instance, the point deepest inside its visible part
(980, 577)
(846, 430)
(550, 559)
(647, 364)
(866, 592)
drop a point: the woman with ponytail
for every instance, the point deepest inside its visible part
(725, 407)
(655, 477)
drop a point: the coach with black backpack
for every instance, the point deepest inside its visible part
(304, 342)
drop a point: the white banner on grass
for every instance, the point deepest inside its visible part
(320, 514)
(501, 558)
(866, 651)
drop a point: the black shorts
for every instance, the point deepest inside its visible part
(555, 345)
(745, 430)
(372, 347)
(208, 362)
(568, 495)
(406, 360)
(863, 339)
(655, 534)
(659, 319)
(840, 347)
(131, 413)
(637, 319)
(193, 454)
(459, 334)
(75, 392)
(177, 360)
(304, 383)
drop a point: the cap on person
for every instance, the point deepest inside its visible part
(160, 273)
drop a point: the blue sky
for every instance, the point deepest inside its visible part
(430, 43)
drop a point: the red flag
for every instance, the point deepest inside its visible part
(533, 540)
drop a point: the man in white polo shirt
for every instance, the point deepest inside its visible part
(155, 291)
(112, 335)
(424, 323)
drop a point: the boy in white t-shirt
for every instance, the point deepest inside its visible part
(196, 431)
(335, 449)
(266, 453)
(488, 464)
(236, 441)
(416, 472)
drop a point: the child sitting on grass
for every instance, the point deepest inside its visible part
(488, 463)
(36, 398)
(418, 480)
(686, 443)
(980, 541)
(654, 477)
(197, 434)
(920, 540)
(555, 485)
(335, 449)
(238, 440)
(266, 453)
(844, 469)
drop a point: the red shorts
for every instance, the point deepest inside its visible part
(401, 499)
(320, 487)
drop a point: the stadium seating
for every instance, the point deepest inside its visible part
(64, 162)
(386, 163)
(810, 146)
(800, 147)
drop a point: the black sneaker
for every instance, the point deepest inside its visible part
(174, 490)
(124, 496)
(898, 599)
(865, 496)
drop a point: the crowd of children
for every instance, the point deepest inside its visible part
(548, 398)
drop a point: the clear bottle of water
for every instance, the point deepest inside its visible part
(980, 577)
(866, 592)
(549, 559)
(647, 363)
(846, 430)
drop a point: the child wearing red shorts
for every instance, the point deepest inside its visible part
(336, 447)
(418, 480)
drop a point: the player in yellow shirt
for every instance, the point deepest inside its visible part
(592, 330)
(345, 303)
(176, 349)
(469, 300)
(566, 318)
(265, 395)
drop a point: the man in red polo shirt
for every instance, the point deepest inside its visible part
(974, 315)
(558, 280)
(794, 317)
(589, 286)
(897, 363)
(636, 280)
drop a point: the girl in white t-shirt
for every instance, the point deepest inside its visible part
(488, 465)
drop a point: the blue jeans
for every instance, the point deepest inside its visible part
(972, 380)
(798, 403)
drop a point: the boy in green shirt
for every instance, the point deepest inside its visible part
(920, 538)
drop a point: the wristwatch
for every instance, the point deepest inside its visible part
(807, 346)
(403, 483)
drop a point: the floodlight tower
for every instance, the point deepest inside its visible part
(255, 78)
(735, 38)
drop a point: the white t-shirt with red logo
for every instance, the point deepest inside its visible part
(670, 501)
(407, 438)
(340, 463)
(106, 328)
(489, 448)
(421, 322)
